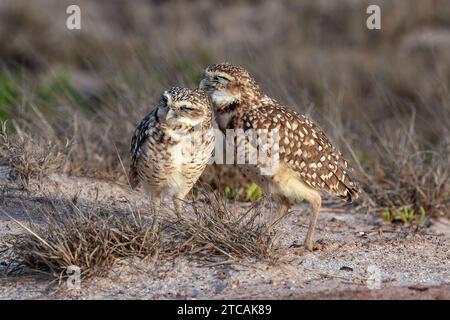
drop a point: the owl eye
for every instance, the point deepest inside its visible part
(187, 108)
(221, 79)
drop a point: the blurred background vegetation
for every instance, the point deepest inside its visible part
(381, 95)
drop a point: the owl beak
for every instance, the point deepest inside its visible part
(204, 84)
(170, 115)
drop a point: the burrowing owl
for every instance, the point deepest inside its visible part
(308, 163)
(173, 144)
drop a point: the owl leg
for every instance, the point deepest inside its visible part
(315, 200)
(156, 200)
(156, 206)
(178, 201)
(178, 204)
(283, 209)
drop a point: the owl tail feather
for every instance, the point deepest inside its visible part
(133, 178)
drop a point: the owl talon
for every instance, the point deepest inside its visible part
(305, 248)
(313, 246)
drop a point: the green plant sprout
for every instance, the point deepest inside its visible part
(404, 215)
(230, 193)
(253, 192)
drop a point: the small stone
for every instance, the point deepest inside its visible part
(345, 268)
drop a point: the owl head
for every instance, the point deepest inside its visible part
(228, 84)
(184, 107)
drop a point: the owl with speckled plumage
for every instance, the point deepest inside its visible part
(172, 145)
(308, 163)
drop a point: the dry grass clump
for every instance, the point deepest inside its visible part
(95, 238)
(92, 239)
(214, 231)
(405, 172)
(411, 179)
(28, 159)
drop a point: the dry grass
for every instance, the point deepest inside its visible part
(94, 238)
(214, 232)
(406, 176)
(27, 158)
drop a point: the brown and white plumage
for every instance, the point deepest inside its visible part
(173, 144)
(308, 162)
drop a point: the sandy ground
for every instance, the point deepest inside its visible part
(361, 258)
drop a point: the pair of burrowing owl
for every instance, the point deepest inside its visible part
(308, 163)
(172, 145)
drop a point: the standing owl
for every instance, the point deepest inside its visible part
(172, 145)
(308, 163)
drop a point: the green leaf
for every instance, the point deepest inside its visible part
(229, 193)
(253, 192)
(422, 214)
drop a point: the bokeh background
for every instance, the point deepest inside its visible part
(72, 98)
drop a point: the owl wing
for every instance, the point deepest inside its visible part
(304, 148)
(146, 127)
